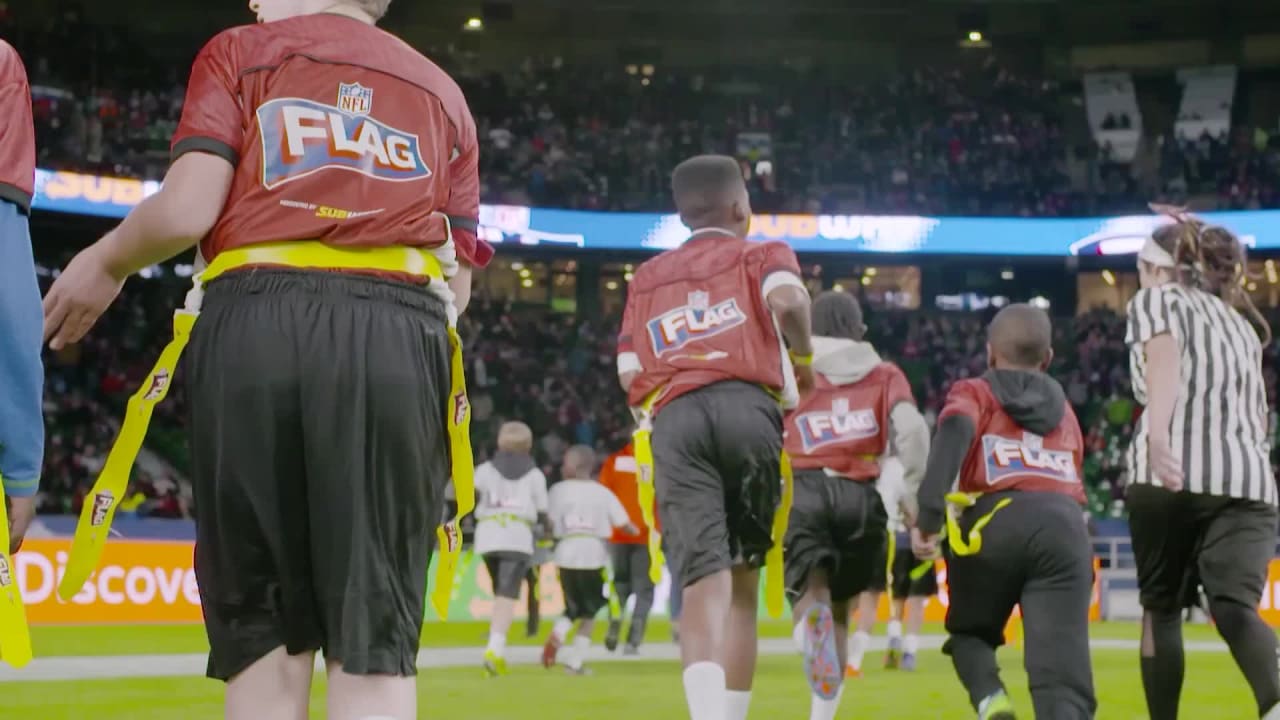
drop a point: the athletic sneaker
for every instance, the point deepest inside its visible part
(997, 706)
(852, 672)
(893, 658)
(494, 664)
(909, 662)
(821, 660)
(630, 650)
(581, 671)
(611, 637)
(549, 652)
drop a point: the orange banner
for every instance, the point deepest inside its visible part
(1270, 608)
(137, 582)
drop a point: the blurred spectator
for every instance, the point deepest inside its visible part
(556, 373)
(971, 138)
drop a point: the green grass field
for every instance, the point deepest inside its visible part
(619, 691)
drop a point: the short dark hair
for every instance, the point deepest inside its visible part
(1022, 335)
(704, 185)
(837, 314)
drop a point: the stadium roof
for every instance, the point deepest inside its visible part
(565, 26)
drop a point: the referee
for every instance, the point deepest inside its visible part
(1202, 503)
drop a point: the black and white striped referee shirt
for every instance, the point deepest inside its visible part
(1220, 415)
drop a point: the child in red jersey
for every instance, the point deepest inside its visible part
(318, 375)
(1015, 446)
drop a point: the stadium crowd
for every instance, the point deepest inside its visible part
(556, 373)
(974, 138)
(977, 139)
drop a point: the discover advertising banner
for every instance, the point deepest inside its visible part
(152, 581)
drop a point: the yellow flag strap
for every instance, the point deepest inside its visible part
(99, 508)
(775, 586)
(15, 637)
(963, 545)
(920, 570)
(891, 553)
(615, 602)
(462, 465)
(643, 449)
(94, 525)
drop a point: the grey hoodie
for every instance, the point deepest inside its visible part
(512, 465)
(1032, 399)
(1035, 401)
(844, 362)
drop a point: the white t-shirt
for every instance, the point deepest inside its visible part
(584, 514)
(507, 509)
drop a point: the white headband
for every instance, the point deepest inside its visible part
(1155, 255)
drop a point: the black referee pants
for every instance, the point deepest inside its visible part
(1035, 554)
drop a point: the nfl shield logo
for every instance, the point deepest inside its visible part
(699, 300)
(355, 99)
(840, 406)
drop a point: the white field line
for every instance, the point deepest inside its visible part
(133, 666)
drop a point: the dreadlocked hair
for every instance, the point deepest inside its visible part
(1209, 258)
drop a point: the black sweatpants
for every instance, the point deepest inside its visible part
(1035, 553)
(631, 577)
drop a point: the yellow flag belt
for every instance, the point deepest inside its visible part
(15, 638)
(963, 545)
(774, 581)
(102, 502)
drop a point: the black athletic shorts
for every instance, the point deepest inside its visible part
(1182, 541)
(837, 524)
(583, 592)
(904, 563)
(507, 572)
(319, 462)
(716, 455)
(1035, 552)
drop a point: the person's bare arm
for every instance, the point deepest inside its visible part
(791, 304)
(1164, 377)
(172, 220)
(629, 366)
(460, 284)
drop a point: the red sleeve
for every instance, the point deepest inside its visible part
(625, 332)
(777, 257)
(898, 390)
(964, 399)
(212, 121)
(17, 133)
(1079, 444)
(463, 207)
